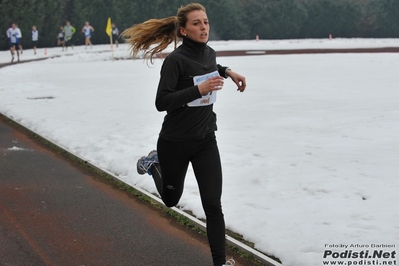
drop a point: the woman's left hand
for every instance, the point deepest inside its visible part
(238, 80)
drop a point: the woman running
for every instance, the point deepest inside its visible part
(88, 30)
(190, 78)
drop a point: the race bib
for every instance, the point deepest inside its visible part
(208, 99)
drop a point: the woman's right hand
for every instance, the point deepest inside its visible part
(212, 84)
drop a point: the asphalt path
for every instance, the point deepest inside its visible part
(53, 211)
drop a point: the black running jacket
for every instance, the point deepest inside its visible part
(176, 89)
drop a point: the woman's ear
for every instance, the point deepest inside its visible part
(183, 31)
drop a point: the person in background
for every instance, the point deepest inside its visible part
(19, 39)
(61, 37)
(35, 38)
(69, 30)
(190, 78)
(115, 34)
(13, 40)
(88, 30)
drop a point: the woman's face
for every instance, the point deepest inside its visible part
(197, 26)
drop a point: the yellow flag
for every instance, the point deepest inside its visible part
(108, 29)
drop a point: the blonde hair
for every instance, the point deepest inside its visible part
(154, 35)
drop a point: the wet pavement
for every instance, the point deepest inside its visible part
(53, 211)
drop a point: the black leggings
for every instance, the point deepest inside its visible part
(169, 175)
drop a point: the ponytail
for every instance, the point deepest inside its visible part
(154, 35)
(158, 32)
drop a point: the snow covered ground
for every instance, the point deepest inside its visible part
(310, 151)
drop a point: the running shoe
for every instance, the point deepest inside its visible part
(144, 163)
(230, 262)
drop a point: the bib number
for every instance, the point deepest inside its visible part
(207, 99)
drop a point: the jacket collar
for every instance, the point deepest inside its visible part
(193, 45)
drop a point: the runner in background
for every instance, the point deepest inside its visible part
(69, 31)
(61, 37)
(87, 30)
(19, 39)
(12, 35)
(35, 38)
(115, 34)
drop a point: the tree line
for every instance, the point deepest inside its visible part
(229, 19)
